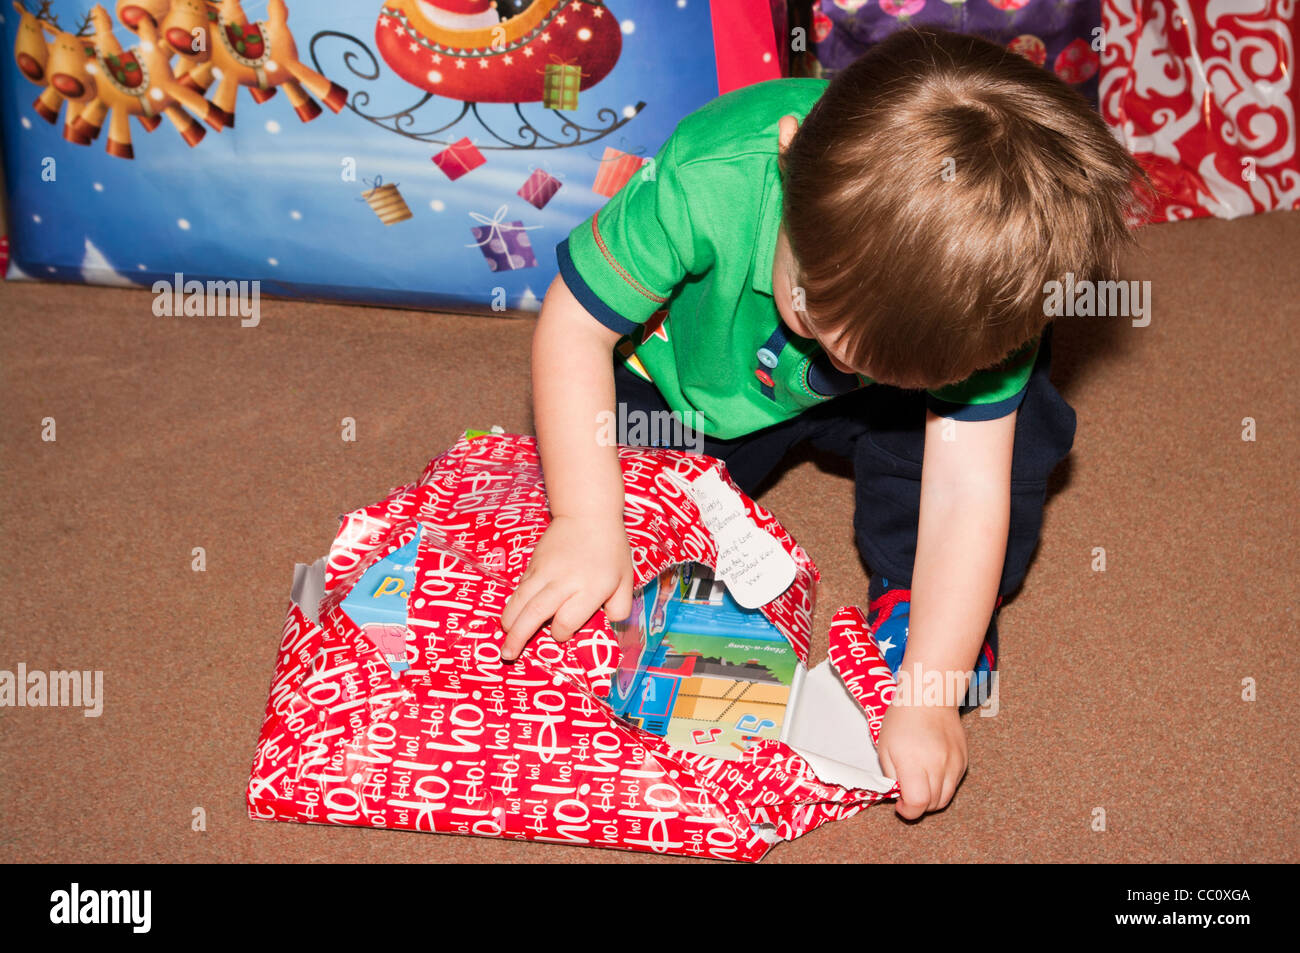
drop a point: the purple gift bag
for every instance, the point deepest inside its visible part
(1059, 35)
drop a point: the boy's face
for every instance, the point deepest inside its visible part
(783, 291)
(783, 278)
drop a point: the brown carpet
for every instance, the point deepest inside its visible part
(1121, 691)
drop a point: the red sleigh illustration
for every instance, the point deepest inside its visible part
(460, 50)
(476, 53)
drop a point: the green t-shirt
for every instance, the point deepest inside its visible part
(679, 261)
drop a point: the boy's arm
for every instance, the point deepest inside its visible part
(582, 561)
(961, 547)
(616, 269)
(573, 382)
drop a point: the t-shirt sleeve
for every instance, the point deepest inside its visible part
(988, 394)
(624, 261)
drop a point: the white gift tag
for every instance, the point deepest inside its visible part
(751, 563)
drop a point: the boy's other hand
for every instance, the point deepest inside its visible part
(924, 749)
(578, 566)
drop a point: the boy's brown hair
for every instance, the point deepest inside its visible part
(933, 190)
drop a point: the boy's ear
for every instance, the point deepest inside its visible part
(787, 127)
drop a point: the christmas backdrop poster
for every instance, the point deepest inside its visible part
(426, 153)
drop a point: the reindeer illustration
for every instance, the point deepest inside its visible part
(136, 82)
(57, 66)
(260, 55)
(130, 13)
(30, 52)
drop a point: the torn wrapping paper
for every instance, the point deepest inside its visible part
(462, 742)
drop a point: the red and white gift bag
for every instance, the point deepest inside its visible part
(464, 743)
(1204, 95)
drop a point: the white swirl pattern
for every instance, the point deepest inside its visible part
(1204, 95)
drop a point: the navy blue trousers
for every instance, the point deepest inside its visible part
(881, 430)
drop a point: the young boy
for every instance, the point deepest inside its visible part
(792, 243)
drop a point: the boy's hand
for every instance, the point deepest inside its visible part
(578, 566)
(924, 749)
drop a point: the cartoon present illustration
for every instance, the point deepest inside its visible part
(539, 188)
(616, 168)
(505, 245)
(386, 201)
(560, 82)
(458, 158)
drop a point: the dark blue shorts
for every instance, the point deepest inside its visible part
(882, 431)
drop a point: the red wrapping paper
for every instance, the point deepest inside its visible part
(465, 743)
(1204, 95)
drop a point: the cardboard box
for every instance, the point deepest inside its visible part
(721, 677)
(639, 637)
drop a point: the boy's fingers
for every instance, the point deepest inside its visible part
(887, 764)
(531, 618)
(949, 786)
(571, 617)
(619, 606)
(936, 791)
(523, 594)
(915, 795)
(515, 604)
